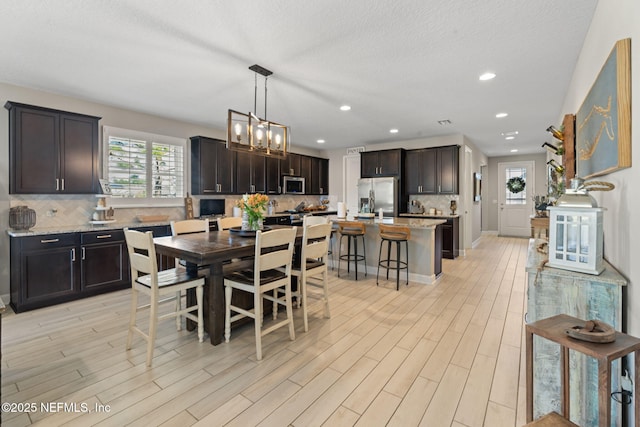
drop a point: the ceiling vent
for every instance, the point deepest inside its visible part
(444, 122)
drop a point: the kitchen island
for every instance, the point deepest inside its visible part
(425, 253)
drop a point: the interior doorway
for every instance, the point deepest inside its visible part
(351, 173)
(516, 186)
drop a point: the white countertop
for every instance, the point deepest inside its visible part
(426, 215)
(39, 231)
(415, 223)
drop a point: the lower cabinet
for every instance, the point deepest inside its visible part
(54, 268)
(450, 238)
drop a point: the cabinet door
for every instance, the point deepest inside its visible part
(413, 171)
(258, 174)
(306, 173)
(243, 175)
(447, 240)
(79, 154)
(224, 167)
(203, 171)
(389, 163)
(430, 171)
(33, 144)
(448, 167)
(368, 164)
(272, 175)
(104, 261)
(323, 176)
(290, 165)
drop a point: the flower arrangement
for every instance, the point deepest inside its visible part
(253, 205)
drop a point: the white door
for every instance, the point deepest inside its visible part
(516, 182)
(351, 175)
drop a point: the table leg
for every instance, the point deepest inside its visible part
(565, 387)
(604, 392)
(529, 361)
(192, 269)
(215, 307)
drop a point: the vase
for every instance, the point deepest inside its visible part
(237, 211)
(255, 223)
(22, 218)
(245, 221)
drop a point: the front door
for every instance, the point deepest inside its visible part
(516, 182)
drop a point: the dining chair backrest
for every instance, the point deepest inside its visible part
(280, 256)
(189, 226)
(229, 222)
(315, 242)
(314, 220)
(142, 254)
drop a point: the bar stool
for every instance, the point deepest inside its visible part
(394, 234)
(352, 230)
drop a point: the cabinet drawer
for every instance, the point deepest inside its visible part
(101, 237)
(48, 241)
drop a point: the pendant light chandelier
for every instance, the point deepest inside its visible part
(250, 133)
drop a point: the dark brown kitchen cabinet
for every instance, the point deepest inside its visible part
(381, 163)
(272, 175)
(250, 173)
(105, 261)
(44, 270)
(52, 151)
(306, 173)
(212, 166)
(450, 237)
(54, 268)
(291, 165)
(319, 176)
(432, 170)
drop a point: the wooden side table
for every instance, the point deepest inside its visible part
(540, 227)
(553, 329)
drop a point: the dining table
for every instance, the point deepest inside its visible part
(214, 250)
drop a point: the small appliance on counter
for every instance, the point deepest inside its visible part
(415, 207)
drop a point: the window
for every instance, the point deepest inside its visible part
(144, 169)
(516, 189)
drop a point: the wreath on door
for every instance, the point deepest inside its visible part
(516, 184)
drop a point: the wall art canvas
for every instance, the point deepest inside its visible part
(603, 122)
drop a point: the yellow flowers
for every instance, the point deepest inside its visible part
(254, 205)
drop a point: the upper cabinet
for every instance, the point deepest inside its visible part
(272, 175)
(212, 166)
(52, 151)
(319, 176)
(291, 165)
(250, 173)
(432, 170)
(381, 163)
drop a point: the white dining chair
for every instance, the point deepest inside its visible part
(187, 226)
(146, 279)
(225, 223)
(312, 271)
(261, 281)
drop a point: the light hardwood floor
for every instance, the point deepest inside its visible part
(447, 354)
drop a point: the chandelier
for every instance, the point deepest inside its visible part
(250, 133)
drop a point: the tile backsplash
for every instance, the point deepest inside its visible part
(69, 210)
(442, 202)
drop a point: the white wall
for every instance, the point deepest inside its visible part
(612, 21)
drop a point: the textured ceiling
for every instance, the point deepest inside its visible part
(400, 64)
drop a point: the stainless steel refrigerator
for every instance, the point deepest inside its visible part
(376, 193)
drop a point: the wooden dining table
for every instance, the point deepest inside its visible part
(212, 250)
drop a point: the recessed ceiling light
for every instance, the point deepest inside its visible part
(487, 76)
(320, 141)
(345, 107)
(515, 132)
(515, 150)
(393, 130)
(510, 137)
(501, 115)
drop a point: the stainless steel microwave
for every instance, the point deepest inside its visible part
(293, 185)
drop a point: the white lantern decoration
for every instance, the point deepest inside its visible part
(575, 232)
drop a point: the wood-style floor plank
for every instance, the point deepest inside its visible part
(445, 354)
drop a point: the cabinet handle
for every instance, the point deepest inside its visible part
(103, 236)
(321, 190)
(62, 184)
(438, 188)
(73, 254)
(253, 188)
(380, 170)
(279, 189)
(57, 184)
(49, 241)
(83, 252)
(209, 191)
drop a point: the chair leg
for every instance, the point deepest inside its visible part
(407, 258)
(388, 257)
(364, 256)
(325, 286)
(339, 254)
(379, 258)
(355, 256)
(302, 290)
(228, 292)
(178, 307)
(153, 326)
(132, 316)
(257, 311)
(349, 257)
(200, 299)
(275, 304)
(288, 305)
(397, 266)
